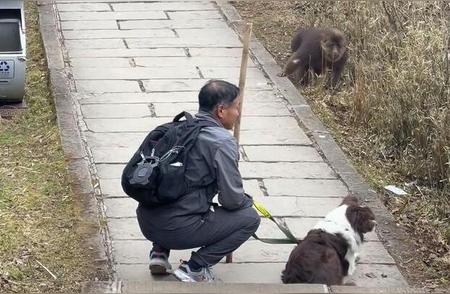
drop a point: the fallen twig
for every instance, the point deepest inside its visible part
(53, 276)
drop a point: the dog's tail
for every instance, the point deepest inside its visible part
(295, 275)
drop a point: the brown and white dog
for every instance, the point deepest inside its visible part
(330, 250)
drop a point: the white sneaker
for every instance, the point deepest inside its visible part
(159, 263)
(185, 274)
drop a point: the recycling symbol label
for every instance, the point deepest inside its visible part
(6, 69)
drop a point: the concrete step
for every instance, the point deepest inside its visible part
(247, 288)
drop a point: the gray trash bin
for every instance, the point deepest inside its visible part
(12, 50)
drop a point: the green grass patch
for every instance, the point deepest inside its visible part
(40, 216)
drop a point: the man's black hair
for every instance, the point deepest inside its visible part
(216, 92)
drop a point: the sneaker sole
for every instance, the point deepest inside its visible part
(183, 277)
(156, 269)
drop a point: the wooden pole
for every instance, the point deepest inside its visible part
(243, 76)
(247, 33)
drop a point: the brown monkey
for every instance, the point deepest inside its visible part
(318, 50)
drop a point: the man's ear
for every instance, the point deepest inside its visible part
(219, 111)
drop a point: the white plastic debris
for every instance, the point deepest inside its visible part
(395, 190)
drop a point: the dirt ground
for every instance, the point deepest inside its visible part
(425, 214)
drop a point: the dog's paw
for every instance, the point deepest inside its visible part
(351, 268)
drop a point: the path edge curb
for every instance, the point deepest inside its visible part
(76, 155)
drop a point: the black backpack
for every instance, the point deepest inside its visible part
(155, 175)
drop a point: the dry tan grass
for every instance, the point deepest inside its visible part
(392, 112)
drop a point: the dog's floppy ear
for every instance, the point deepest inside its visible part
(367, 220)
(361, 219)
(349, 200)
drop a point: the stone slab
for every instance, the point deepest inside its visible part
(182, 42)
(100, 63)
(89, 25)
(173, 6)
(220, 287)
(266, 96)
(252, 188)
(110, 171)
(265, 123)
(377, 290)
(95, 44)
(219, 52)
(172, 24)
(190, 61)
(118, 140)
(261, 273)
(252, 251)
(137, 73)
(111, 188)
(139, 127)
(273, 108)
(374, 252)
(112, 154)
(296, 170)
(128, 229)
(208, 33)
(124, 229)
(111, 15)
(107, 86)
(169, 97)
(229, 72)
(264, 273)
(139, 98)
(115, 110)
(193, 15)
(249, 125)
(305, 187)
(85, 7)
(279, 206)
(174, 85)
(120, 207)
(196, 84)
(376, 276)
(256, 109)
(273, 137)
(124, 125)
(299, 206)
(281, 153)
(160, 52)
(136, 251)
(111, 34)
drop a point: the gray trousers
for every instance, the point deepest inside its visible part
(217, 234)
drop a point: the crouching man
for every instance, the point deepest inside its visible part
(193, 221)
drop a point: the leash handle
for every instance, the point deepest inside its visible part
(261, 209)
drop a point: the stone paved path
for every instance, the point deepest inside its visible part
(137, 64)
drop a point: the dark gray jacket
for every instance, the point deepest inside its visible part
(212, 163)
